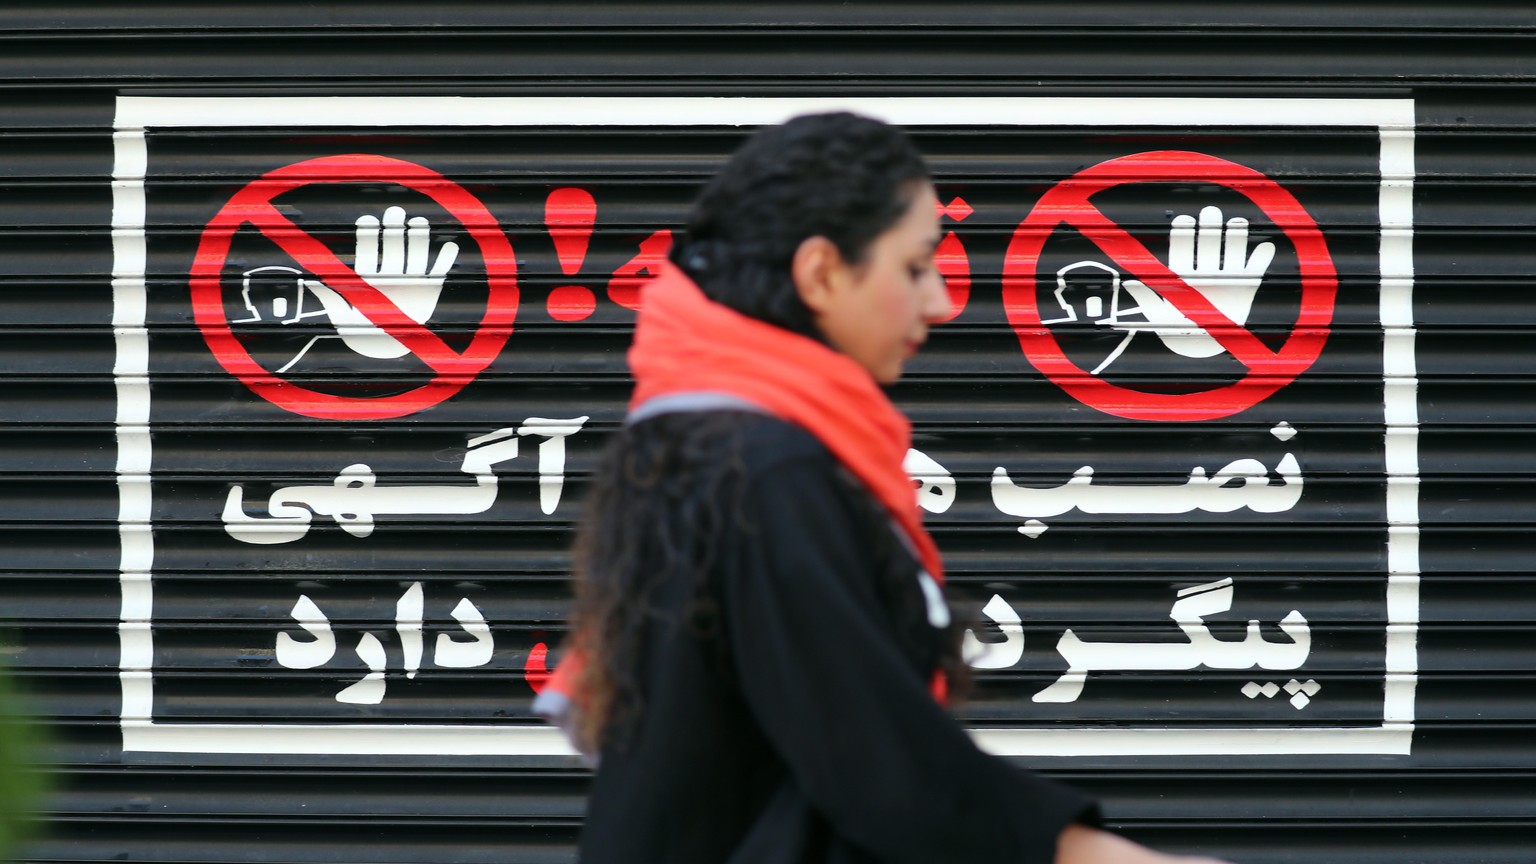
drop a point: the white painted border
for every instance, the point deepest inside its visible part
(1393, 118)
(141, 112)
(345, 739)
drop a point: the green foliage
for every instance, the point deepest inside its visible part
(22, 778)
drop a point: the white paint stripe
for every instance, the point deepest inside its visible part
(1403, 599)
(128, 204)
(1403, 451)
(1403, 551)
(138, 548)
(137, 646)
(1397, 301)
(130, 156)
(137, 600)
(128, 253)
(130, 369)
(136, 650)
(1396, 252)
(1401, 398)
(356, 739)
(1401, 415)
(138, 696)
(1400, 411)
(1401, 690)
(130, 302)
(1396, 211)
(1399, 358)
(133, 404)
(1402, 667)
(133, 499)
(346, 739)
(1389, 738)
(1397, 143)
(132, 350)
(132, 450)
(140, 112)
(1403, 501)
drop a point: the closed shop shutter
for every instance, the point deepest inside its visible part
(315, 323)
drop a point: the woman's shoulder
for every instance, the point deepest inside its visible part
(785, 463)
(770, 442)
(761, 442)
(745, 458)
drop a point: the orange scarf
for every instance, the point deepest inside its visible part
(687, 343)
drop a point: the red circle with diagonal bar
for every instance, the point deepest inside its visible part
(452, 370)
(1068, 204)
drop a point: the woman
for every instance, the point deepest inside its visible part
(763, 650)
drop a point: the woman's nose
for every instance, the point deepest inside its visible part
(936, 302)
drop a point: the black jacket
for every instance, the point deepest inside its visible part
(797, 725)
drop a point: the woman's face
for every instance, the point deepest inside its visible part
(877, 311)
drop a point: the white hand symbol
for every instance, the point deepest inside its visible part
(1216, 262)
(391, 257)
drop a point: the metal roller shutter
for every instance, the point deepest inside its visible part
(282, 570)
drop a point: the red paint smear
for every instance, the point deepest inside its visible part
(535, 672)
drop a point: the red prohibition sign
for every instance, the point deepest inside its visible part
(1068, 204)
(452, 369)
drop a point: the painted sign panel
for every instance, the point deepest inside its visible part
(1131, 490)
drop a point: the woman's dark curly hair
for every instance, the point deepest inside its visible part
(840, 176)
(663, 485)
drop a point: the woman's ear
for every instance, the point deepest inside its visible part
(817, 271)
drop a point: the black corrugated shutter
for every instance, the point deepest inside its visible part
(189, 642)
